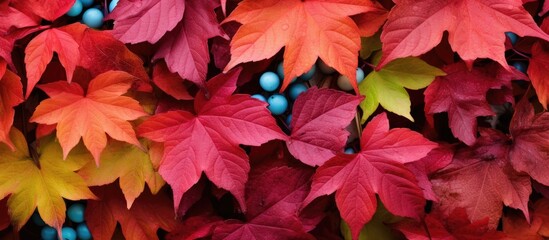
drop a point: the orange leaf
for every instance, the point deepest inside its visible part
(102, 110)
(11, 95)
(305, 28)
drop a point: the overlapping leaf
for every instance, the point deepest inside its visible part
(43, 187)
(208, 141)
(377, 168)
(306, 29)
(11, 95)
(47, 9)
(91, 115)
(537, 71)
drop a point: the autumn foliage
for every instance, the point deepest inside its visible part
(149, 120)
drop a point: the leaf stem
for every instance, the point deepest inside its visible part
(520, 54)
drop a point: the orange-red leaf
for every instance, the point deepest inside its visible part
(102, 110)
(11, 94)
(537, 71)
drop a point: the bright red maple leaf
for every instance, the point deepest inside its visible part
(140, 222)
(455, 226)
(462, 93)
(481, 180)
(11, 95)
(273, 199)
(101, 110)
(476, 28)
(530, 134)
(306, 29)
(47, 9)
(208, 141)
(39, 53)
(319, 118)
(377, 168)
(537, 71)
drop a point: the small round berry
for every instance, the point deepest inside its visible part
(83, 232)
(68, 233)
(93, 17)
(259, 97)
(280, 70)
(296, 89)
(112, 5)
(325, 68)
(277, 104)
(36, 219)
(48, 233)
(512, 37)
(359, 75)
(344, 83)
(349, 150)
(87, 3)
(76, 9)
(521, 66)
(76, 212)
(288, 120)
(309, 74)
(269, 81)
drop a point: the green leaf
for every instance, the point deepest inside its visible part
(386, 86)
(369, 45)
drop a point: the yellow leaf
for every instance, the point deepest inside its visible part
(41, 187)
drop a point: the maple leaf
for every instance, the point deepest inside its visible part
(145, 20)
(305, 28)
(11, 18)
(462, 93)
(170, 83)
(47, 9)
(185, 48)
(129, 164)
(377, 168)
(39, 53)
(455, 226)
(11, 95)
(414, 27)
(41, 187)
(141, 222)
(529, 150)
(208, 141)
(481, 180)
(273, 199)
(90, 116)
(318, 124)
(537, 69)
(386, 86)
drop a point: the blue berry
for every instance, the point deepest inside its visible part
(93, 17)
(269, 81)
(308, 75)
(296, 89)
(512, 37)
(349, 150)
(521, 66)
(68, 233)
(48, 233)
(83, 232)
(288, 120)
(76, 9)
(76, 213)
(37, 219)
(359, 75)
(277, 104)
(112, 5)
(87, 3)
(259, 97)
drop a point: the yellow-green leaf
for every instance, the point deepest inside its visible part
(369, 45)
(386, 86)
(129, 164)
(41, 187)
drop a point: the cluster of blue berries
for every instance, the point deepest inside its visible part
(519, 65)
(75, 214)
(93, 17)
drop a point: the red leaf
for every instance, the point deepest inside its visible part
(305, 29)
(537, 71)
(147, 215)
(427, 166)
(273, 199)
(530, 134)
(11, 95)
(377, 168)
(39, 53)
(209, 141)
(481, 180)
(414, 27)
(462, 93)
(169, 82)
(47, 9)
(455, 226)
(146, 20)
(319, 118)
(185, 48)
(195, 227)
(369, 23)
(13, 18)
